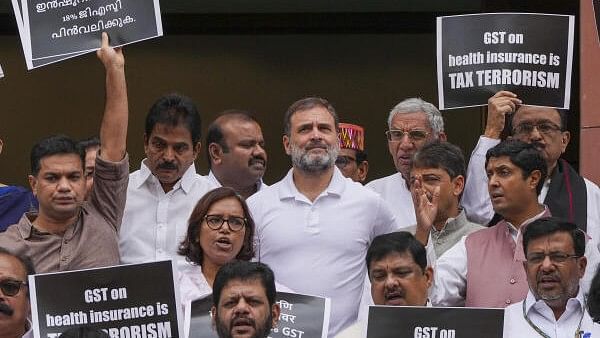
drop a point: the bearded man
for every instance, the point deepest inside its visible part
(315, 219)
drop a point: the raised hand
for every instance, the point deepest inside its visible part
(426, 207)
(110, 57)
(499, 106)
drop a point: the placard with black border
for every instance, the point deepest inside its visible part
(527, 53)
(114, 299)
(434, 322)
(55, 30)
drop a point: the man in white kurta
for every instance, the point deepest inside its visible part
(412, 123)
(313, 227)
(163, 193)
(555, 304)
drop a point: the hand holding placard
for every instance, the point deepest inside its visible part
(500, 105)
(110, 57)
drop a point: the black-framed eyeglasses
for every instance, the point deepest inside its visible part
(342, 161)
(555, 257)
(10, 287)
(215, 222)
(415, 135)
(545, 127)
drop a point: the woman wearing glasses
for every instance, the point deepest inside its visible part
(220, 229)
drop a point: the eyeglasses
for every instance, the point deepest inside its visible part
(396, 135)
(555, 257)
(343, 161)
(215, 222)
(10, 287)
(526, 128)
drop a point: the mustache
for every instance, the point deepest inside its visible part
(242, 320)
(313, 145)
(257, 159)
(6, 309)
(167, 166)
(537, 145)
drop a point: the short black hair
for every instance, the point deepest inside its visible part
(54, 145)
(546, 226)
(441, 155)
(244, 271)
(25, 262)
(523, 155)
(306, 104)
(397, 242)
(92, 141)
(174, 110)
(215, 131)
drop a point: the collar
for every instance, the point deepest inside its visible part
(452, 224)
(211, 177)
(513, 229)
(186, 182)
(289, 190)
(573, 304)
(26, 228)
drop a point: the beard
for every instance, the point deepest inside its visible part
(314, 163)
(261, 331)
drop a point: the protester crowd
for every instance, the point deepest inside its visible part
(518, 228)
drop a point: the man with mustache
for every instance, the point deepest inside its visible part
(399, 275)
(412, 123)
(485, 268)
(163, 192)
(244, 300)
(555, 305)
(566, 194)
(68, 233)
(236, 152)
(315, 219)
(14, 295)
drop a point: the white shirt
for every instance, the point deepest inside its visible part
(29, 333)
(477, 203)
(319, 247)
(450, 278)
(260, 185)
(155, 222)
(541, 315)
(396, 194)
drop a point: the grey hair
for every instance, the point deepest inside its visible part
(415, 105)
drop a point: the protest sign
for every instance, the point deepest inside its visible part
(302, 316)
(27, 44)
(114, 299)
(434, 322)
(481, 54)
(54, 30)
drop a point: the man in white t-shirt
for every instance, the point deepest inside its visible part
(315, 220)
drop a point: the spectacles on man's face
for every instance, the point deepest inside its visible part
(555, 257)
(215, 222)
(10, 287)
(342, 161)
(544, 127)
(415, 135)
